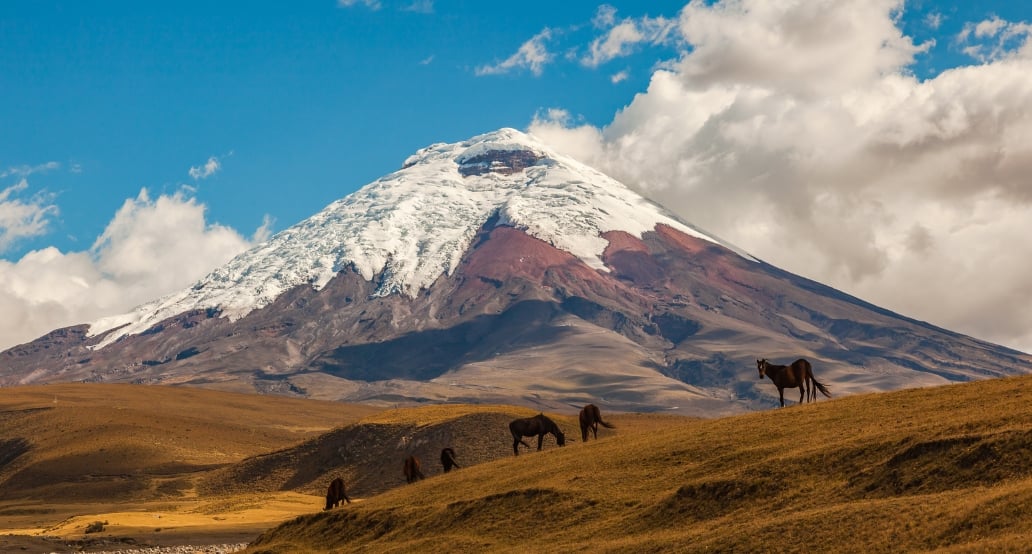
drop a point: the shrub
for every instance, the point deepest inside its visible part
(96, 527)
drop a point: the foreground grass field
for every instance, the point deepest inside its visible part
(945, 469)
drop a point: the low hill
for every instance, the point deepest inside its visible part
(71, 454)
(122, 442)
(943, 469)
(369, 453)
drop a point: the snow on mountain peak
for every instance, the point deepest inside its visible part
(413, 225)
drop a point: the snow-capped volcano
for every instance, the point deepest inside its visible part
(497, 270)
(414, 225)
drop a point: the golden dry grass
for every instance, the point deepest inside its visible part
(945, 469)
(941, 469)
(77, 453)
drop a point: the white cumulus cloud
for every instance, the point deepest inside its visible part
(26, 170)
(995, 39)
(22, 218)
(209, 168)
(532, 55)
(371, 4)
(794, 129)
(621, 39)
(152, 246)
(605, 16)
(420, 6)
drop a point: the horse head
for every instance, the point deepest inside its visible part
(560, 438)
(762, 366)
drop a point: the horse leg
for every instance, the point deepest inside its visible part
(516, 445)
(541, 438)
(802, 393)
(781, 395)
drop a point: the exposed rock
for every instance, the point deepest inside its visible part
(504, 162)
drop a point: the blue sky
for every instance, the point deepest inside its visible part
(243, 118)
(301, 103)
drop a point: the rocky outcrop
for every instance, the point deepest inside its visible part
(503, 162)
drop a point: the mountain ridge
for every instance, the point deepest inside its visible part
(550, 285)
(395, 228)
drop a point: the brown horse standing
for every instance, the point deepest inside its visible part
(590, 418)
(336, 494)
(798, 375)
(529, 426)
(448, 459)
(412, 471)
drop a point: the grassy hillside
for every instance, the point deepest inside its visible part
(940, 469)
(369, 453)
(116, 440)
(88, 450)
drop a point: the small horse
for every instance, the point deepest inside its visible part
(336, 494)
(529, 426)
(798, 375)
(448, 459)
(412, 471)
(590, 417)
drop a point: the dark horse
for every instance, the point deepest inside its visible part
(590, 417)
(412, 471)
(336, 494)
(448, 459)
(530, 426)
(798, 375)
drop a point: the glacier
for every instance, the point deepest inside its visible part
(412, 226)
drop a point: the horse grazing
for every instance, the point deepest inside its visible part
(798, 375)
(412, 471)
(590, 418)
(448, 459)
(336, 494)
(529, 426)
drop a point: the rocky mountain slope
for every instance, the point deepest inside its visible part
(496, 270)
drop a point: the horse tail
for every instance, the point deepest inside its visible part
(596, 416)
(412, 470)
(820, 387)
